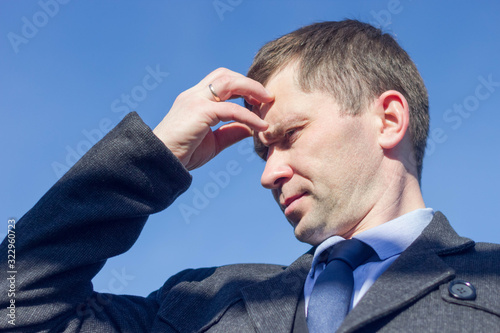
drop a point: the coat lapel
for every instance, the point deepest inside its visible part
(415, 273)
(271, 304)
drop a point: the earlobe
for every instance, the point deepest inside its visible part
(395, 116)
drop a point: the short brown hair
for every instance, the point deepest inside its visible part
(355, 62)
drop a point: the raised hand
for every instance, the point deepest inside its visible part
(186, 129)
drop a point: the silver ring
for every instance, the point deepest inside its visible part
(212, 90)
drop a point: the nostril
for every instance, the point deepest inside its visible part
(278, 181)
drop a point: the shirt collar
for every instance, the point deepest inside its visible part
(388, 239)
(393, 237)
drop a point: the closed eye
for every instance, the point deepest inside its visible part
(287, 139)
(289, 134)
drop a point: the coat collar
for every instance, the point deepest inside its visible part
(420, 264)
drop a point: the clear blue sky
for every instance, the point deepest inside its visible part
(64, 71)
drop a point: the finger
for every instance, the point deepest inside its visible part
(234, 112)
(217, 73)
(229, 134)
(239, 85)
(228, 84)
(249, 99)
(252, 101)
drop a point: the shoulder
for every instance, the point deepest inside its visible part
(484, 251)
(480, 257)
(487, 248)
(212, 280)
(213, 289)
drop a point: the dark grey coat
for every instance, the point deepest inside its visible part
(98, 209)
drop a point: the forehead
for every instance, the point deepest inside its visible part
(284, 110)
(291, 103)
(291, 108)
(287, 93)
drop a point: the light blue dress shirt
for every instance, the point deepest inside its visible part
(388, 240)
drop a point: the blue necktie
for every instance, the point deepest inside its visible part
(332, 291)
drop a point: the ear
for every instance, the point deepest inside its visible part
(392, 108)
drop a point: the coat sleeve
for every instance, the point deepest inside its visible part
(95, 211)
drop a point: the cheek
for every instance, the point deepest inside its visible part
(345, 155)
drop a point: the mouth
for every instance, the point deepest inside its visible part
(288, 204)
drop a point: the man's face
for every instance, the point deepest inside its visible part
(321, 166)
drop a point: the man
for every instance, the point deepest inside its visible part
(339, 112)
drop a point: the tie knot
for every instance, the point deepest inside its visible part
(351, 251)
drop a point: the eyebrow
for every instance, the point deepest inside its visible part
(277, 130)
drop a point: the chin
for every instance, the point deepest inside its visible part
(305, 230)
(307, 235)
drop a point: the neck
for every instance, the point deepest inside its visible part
(399, 193)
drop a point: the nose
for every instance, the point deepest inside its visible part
(277, 171)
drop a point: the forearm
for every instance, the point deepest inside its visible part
(94, 212)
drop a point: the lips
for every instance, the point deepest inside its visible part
(290, 200)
